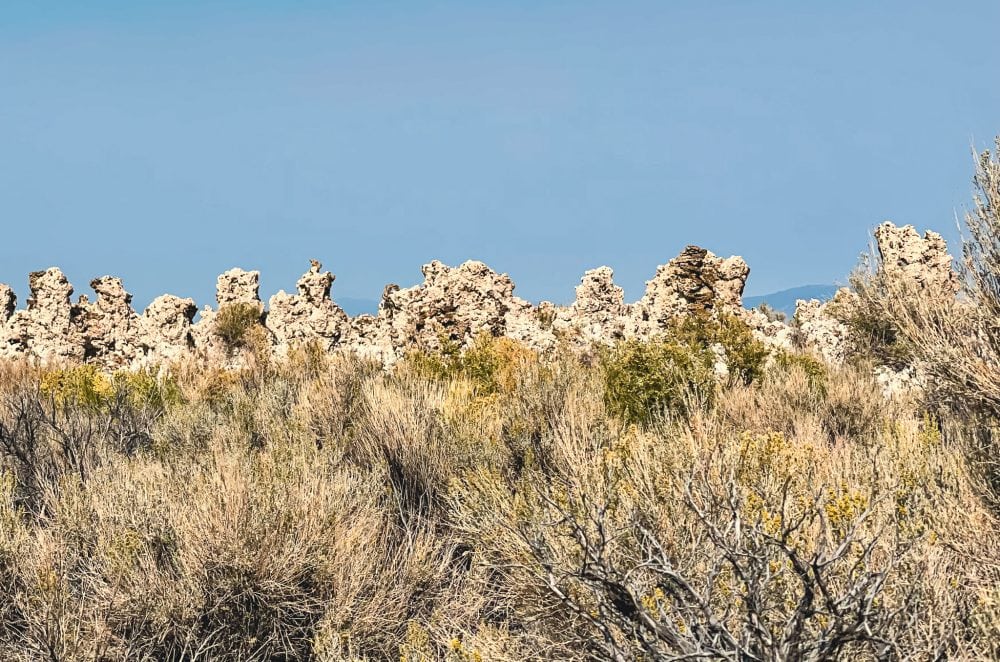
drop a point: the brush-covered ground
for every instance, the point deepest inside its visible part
(623, 503)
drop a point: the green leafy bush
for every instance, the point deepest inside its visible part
(83, 386)
(745, 355)
(145, 388)
(86, 386)
(645, 380)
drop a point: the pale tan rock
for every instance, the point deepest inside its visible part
(309, 315)
(820, 330)
(776, 334)
(896, 383)
(8, 303)
(231, 287)
(110, 327)
(453, 305)
(696, 281)
(238, 286)
(921, 260)
(49, 329)
(166, 328)
(530, 325)
(598, 314)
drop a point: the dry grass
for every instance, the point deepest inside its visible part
(953, 342)
(320, 508)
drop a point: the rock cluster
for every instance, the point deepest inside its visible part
(820, 329)
(309, 315)
(110, 328)
(49, 327)
(599, 312)
(167, 325)
(451, 307)
(8, 303)
(924, 261)
(694, 281)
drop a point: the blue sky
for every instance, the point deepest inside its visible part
(167, 142)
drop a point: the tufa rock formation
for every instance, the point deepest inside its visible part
(110, 328)
(166, 326)
(821, 331)
(923, 261)
(449, 308)
(8, 303)
(309, 315)
(599, 313)
(694, 281)
(50, 327)
(452, 306)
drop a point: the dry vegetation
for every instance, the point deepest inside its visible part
(627, 504)
(485, 506)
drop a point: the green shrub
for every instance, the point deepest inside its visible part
(644, 380)
(234, 321)
(745, 355)
(87, 387)
(144, 388)
(83, 386)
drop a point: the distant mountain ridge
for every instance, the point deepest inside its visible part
(784, 300)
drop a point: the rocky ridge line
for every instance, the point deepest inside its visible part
(453, 304)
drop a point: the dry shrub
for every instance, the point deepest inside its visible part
(264, 564)
(235, 322)
(401, 436)
(324, 508)
(330, 402)
(953, 342)
(800, 395)
(766, 547)
(491, 364)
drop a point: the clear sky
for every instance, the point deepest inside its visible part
(167, 142)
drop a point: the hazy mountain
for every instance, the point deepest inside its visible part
(785, 299)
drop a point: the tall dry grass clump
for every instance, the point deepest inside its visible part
(955, 340)
(951, 341)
